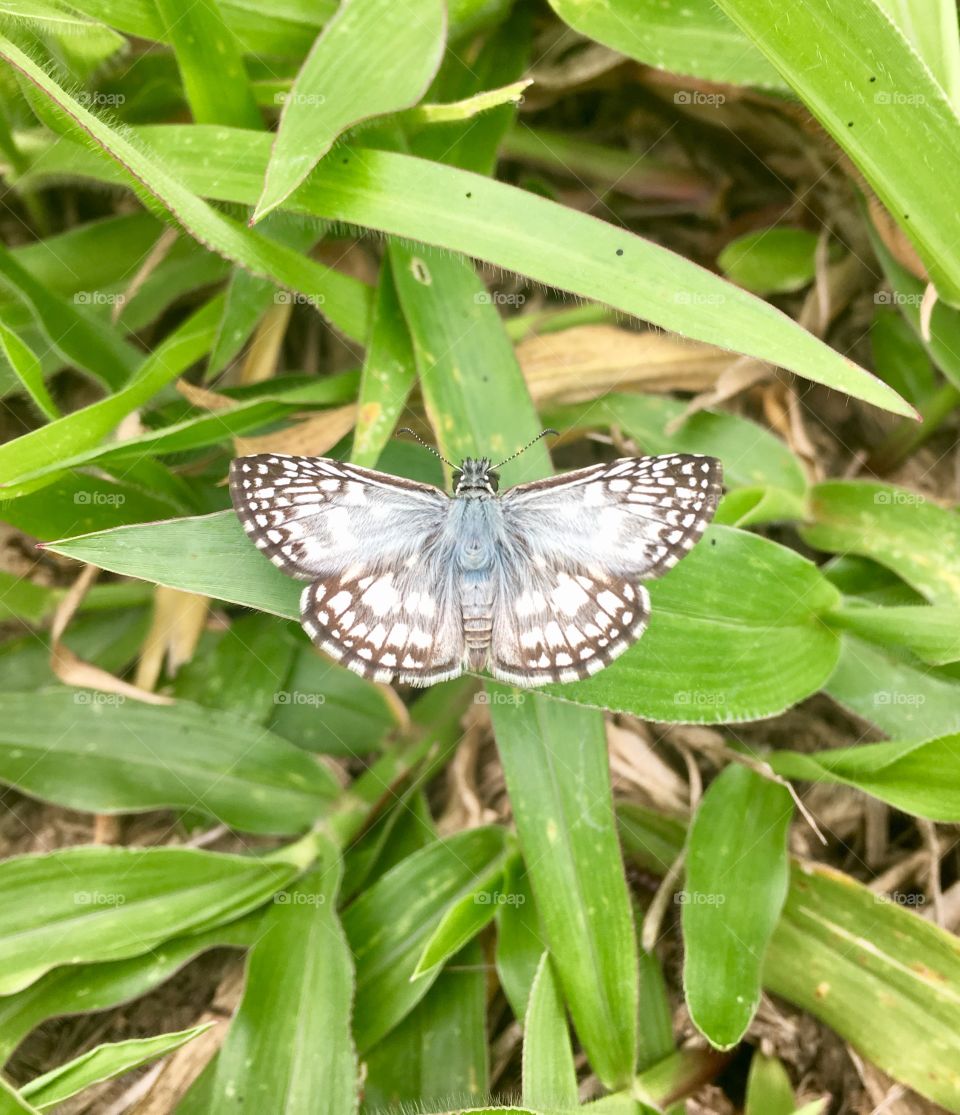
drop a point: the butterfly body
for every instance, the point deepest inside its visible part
(540, 583)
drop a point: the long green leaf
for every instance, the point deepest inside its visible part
(518, 231)
(84, 904)
(853, 68)
(289, 1047)
(104, 1062)
(555, 762)
(549, 1074)
(102, 753)
(736, 882)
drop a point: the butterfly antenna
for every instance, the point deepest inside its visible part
(543, 433)
(426, 445)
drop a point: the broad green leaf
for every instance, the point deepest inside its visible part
(27, 369)
(555, 763)
(656, 1018)
(396, 48)
(12, 1102)
(211, 67)
(439, 1050)
(855, 71)
(549, 1075)
(388, 374)
(388, 924)
(104, 1062)
(102, 753)
(847, 955)
(344, 301)
(80, 988)
(694, 38)
(769, 1091)
(919, 777)
(735, 634)
(773, 261)
(902, 699)
(931, 633)
(289, 1046)
(734, 889)
(97, 903)
(513, 229)
(45, 447)
(899, 528)
(899, 357)
(21, 598)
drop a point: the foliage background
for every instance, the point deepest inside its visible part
(719, 875)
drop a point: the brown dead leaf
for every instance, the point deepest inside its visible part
(894, 238)
(202, 397)
(156, 256)
(261, 359)
(71, 669)
(312, 437)
(582, 363)
(178, 621)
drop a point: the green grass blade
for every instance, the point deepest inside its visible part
(289, 1043)
(855, 71)
(344, 301)
(101, 753)
(919, 777)
(555, 762)
(692, 38)
(104, 1062)
(518, 231)
(79, 988)
(389, 373)
(931, 633)
(47, 446)
(211, 67)
(396, 48)
(902, 530)
(23, 360)
(92, 904)
(735, 885)
(549, 1074)
(769, 1091)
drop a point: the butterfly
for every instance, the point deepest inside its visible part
(539, 584)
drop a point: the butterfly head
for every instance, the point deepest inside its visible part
(475, 477)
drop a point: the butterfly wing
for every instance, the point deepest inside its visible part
(569, 598)
(382, 599)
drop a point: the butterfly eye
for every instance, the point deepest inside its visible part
(457, 477)
(493, 479)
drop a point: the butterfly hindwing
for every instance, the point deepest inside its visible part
(563, 625)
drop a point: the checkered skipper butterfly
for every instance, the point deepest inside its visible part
(541, 583)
